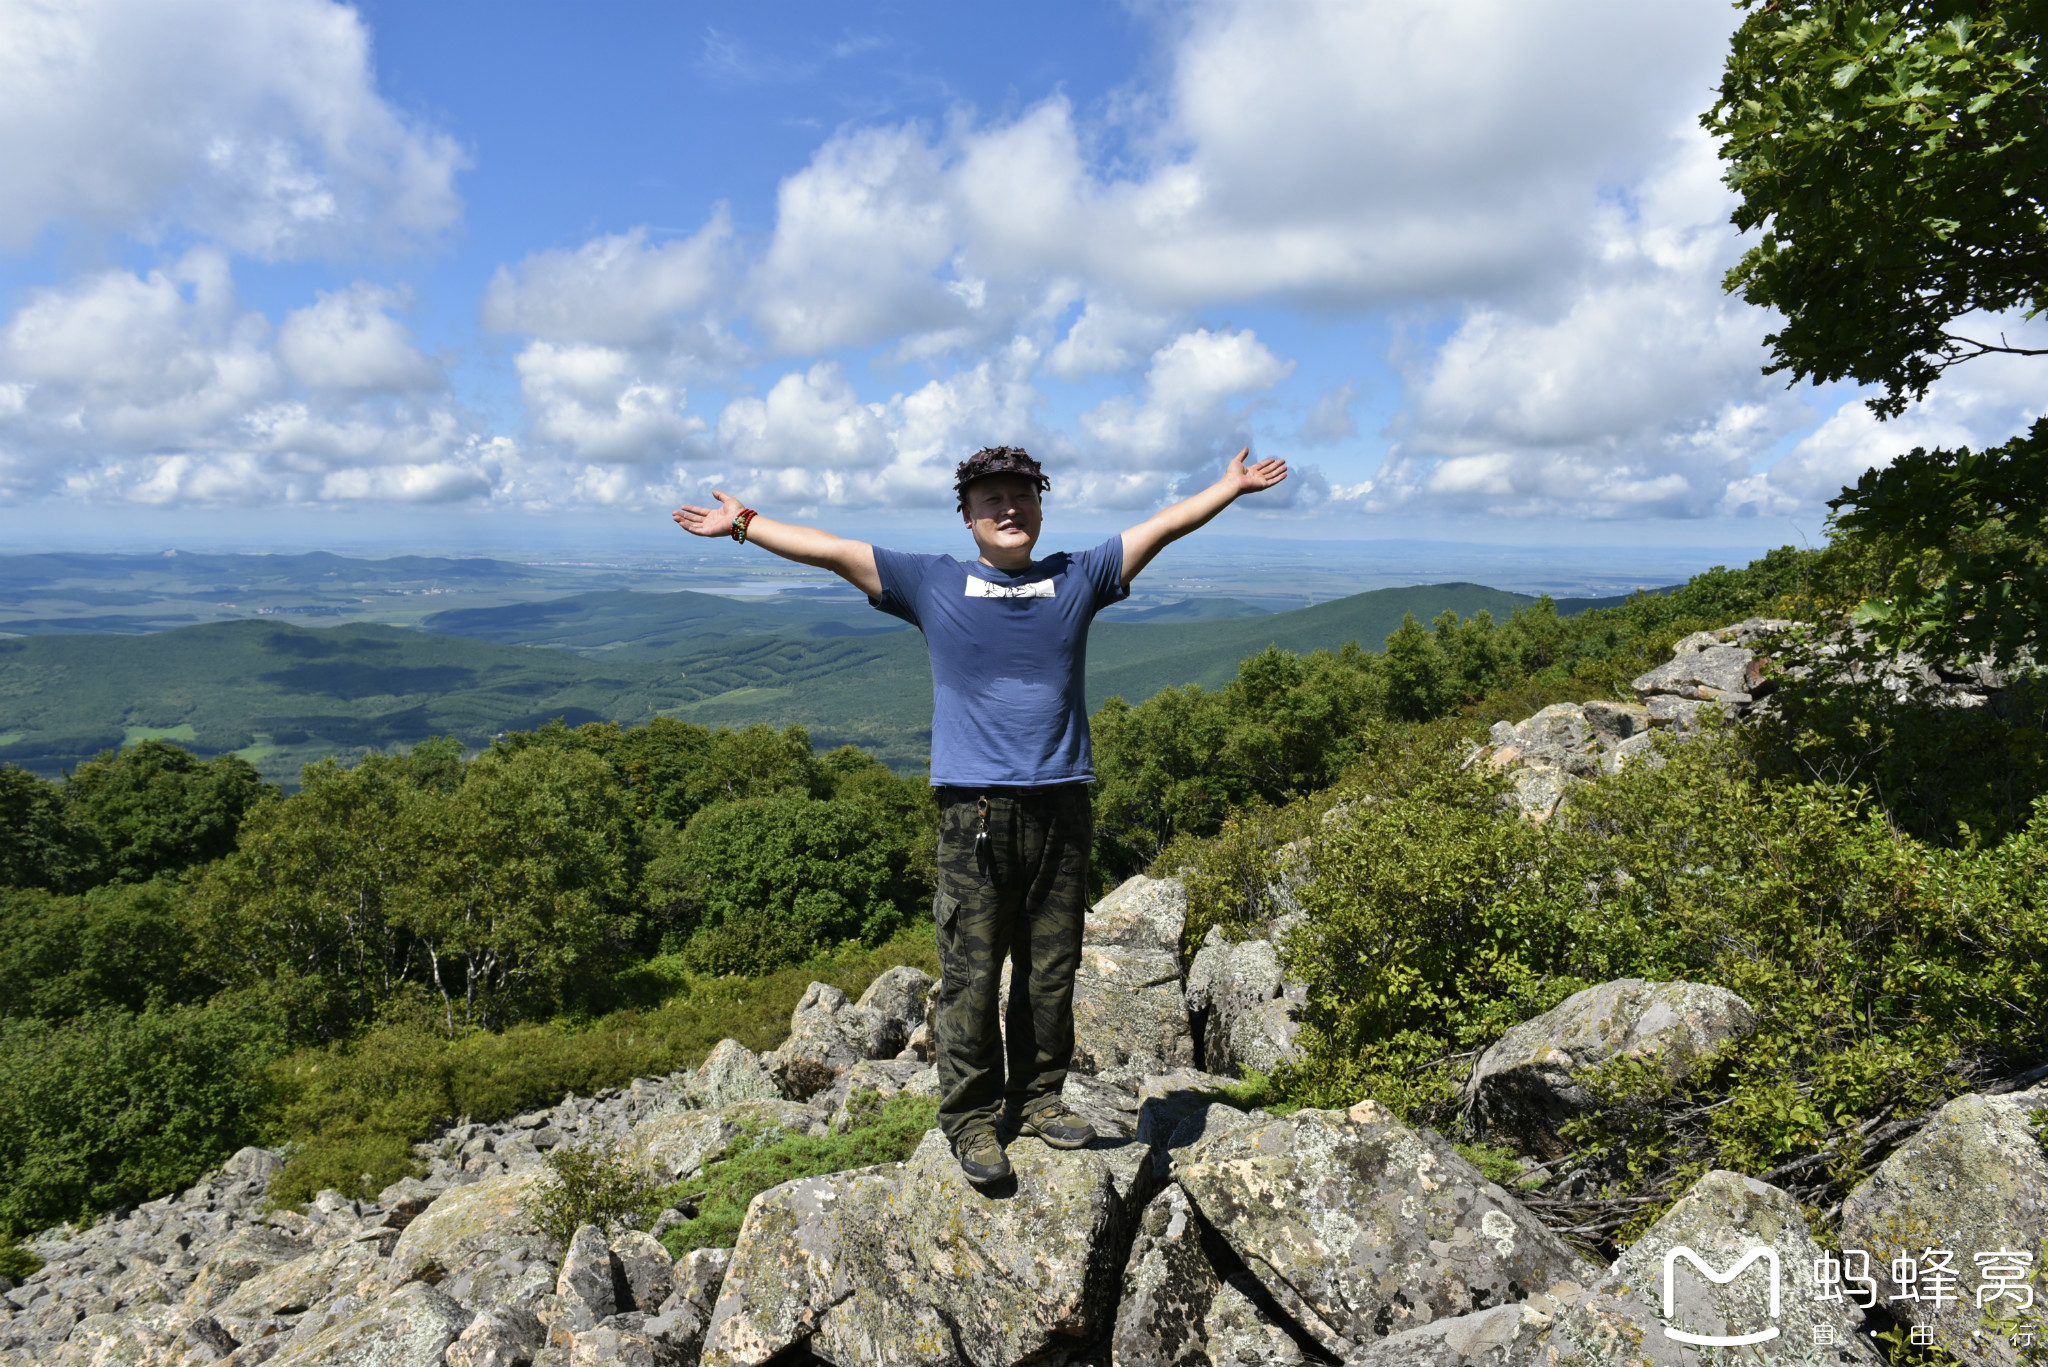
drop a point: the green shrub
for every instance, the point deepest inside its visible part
(1887, 974)
(757, 884)
(115, 1107)
(355, 1108)
(591, 1184)
(161, 809)
(16, 1261)
(767, 1157)
(125, 945)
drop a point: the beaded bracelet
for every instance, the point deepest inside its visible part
(740, 523)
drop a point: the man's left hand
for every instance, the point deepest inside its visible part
(1251, 479)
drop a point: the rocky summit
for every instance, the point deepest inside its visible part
(1193, 1231)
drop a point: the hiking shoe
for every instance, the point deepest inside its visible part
(1059, 1127)
(981, 1158)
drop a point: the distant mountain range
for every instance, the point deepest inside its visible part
(283, 694)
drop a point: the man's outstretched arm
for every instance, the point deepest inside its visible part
(853, 561)
(1151, 536)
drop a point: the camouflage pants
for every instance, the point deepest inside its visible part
(1023, 900)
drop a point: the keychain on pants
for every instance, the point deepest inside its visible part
(984, 857)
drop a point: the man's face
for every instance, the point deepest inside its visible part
(1003, 513)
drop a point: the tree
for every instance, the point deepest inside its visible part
(1895, 155)
(1421, 683)
(1963, 547)
(764, 882)
(519, 896)
(42, 843)
(159, 809)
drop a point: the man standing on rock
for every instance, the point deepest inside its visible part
(1008, 636)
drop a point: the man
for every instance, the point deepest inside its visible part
(1008, 637)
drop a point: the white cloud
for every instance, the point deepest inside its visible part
(1980, 403)
(861, 237)
(1330, 421)
(615, 290)
(254, 123)
(161, 388)
(1184, 418)
(1636, 391)
(810, 419)
(1107, 337)
(593, 401)
(348, 341)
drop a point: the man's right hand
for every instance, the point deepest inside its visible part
(710, 521)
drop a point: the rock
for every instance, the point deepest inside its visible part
(698, 1274)
(1243, 1012)
(885, 1079)
(1179, 1310)
(499, 1338)
(1614, 722)
(1973, 1181)
(587, 1288)
(468, 1228)
(1526, 1085)
(412, 1327)
(115, 1340)
(251, 1164)
(686, 1314)
(1711, 666)
(249, 1252)
(647, 1269)
(1140, 913)
(827, 1036)
(1723, 1219)
(910, 1263)
(1485, 1338)
(291, 1289)
(896, 999)
(1129, 1011)
(731, 1072)
(676, 1145)
(1361, 1227)
(1179, 1108)
(625, 1344)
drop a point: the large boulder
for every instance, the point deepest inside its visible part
(828, 1035)
(248, 1253)
(910, 1263)
(1129, 1011)
(1712, 666)
(412, 1327)
(1724, 1219)
(1140, 913)
(1505, 1334)
(896, 1000)
(1974, 1182)
(1243, 1010)
(1360, 1227)
(468, 1229)
(1528, 1084)
(675, 1146)
(288, 1290)
(731, 1072)
(1179, 1309)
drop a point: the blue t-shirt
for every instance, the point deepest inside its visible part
(1009, 659)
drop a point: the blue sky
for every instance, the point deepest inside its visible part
(285, 272)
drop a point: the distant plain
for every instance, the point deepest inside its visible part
(291, 659)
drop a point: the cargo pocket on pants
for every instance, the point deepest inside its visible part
(945, 919)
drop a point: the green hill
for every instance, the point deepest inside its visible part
(283, 695)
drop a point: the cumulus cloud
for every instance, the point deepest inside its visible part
(1330, 421)
(810, 419)
(1183, 417)
(349, 341)
(1636, 391)
(615, 290)
(161, 388)
(256, 124)
(592, 401)
(1978, 404)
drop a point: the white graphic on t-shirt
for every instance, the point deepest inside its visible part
(983, 588)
